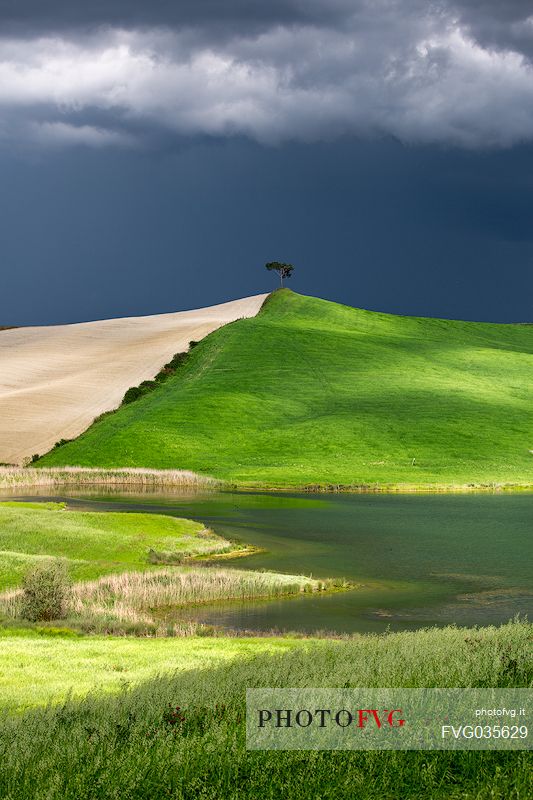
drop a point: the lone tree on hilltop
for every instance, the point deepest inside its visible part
(283, 270)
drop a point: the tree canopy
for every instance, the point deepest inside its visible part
(283, 270)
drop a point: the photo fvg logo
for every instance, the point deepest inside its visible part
(388, 719)
(324, 717)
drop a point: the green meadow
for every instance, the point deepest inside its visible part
(47, 665)
(93, 543)
(127, 739)
(312, 393)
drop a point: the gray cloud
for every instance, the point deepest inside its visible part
(215, 16)
(500, 25)
(97, 74)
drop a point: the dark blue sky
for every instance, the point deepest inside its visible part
(411, 230)
(120, 207)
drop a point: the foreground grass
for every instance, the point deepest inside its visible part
(94, 544)
(311, 392)
(128, 746)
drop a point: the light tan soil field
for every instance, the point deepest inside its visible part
(55, 380)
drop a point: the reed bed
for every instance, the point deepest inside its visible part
(15, 477)
(183, 587)
(132, 598)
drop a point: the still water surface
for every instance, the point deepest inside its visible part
(418, 559)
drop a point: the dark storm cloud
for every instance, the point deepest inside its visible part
(32, 15)
(243, 16)
(143, 188)
(455, 73)
(493, 19)
(503, 11)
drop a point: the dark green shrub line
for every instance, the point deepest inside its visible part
(60, 443)
(177, 361)
(37, 456)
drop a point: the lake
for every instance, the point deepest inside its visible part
(418, 560)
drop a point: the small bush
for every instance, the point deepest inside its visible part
(46, 589)
(161, 557)
(176, 361)
(133, 393)
(62, 442)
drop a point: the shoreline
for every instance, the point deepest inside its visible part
(392, 488)
(13, 478)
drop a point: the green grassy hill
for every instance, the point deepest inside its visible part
(312, 392)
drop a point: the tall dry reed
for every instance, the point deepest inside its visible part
(15, 477)
(142, 591)
(132, 597)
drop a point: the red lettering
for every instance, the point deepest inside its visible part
(390, 718)
(364, 718)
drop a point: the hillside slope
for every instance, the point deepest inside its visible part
(55, 380)
(312, 392)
